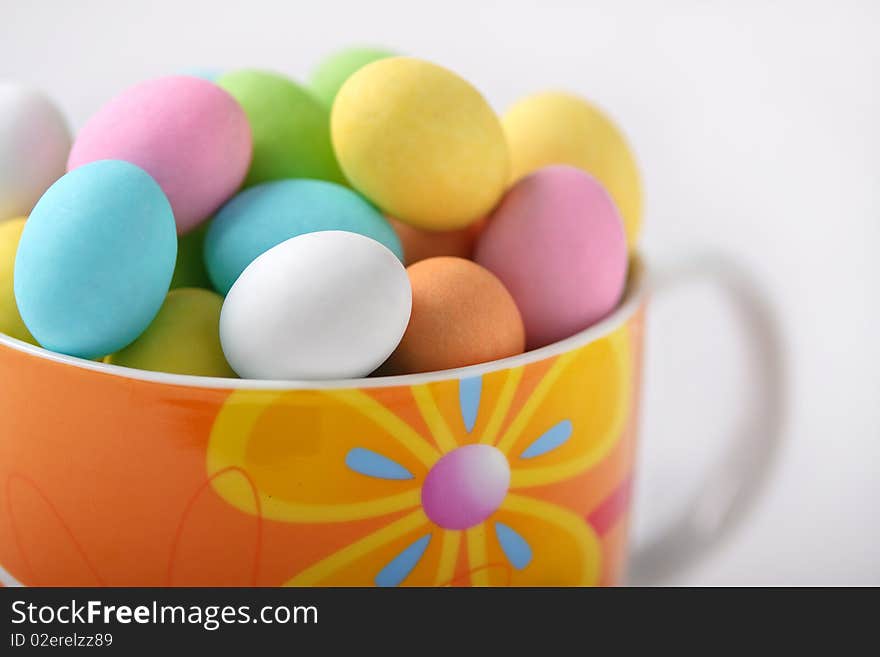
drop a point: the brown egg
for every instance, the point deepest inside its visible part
(461, 315)
(419, 244)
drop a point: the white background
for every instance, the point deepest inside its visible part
(757, 125)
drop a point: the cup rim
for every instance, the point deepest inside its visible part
(636, 290)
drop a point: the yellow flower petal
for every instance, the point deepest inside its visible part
(535, 401)
(293, 445)
(585, 399)
(502, 406)
(560, 548)
(442, 407)
(361, 563)
(448, 556)
(431, 414)
(478, 556)
(410, 439)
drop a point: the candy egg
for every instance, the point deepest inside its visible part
(332, 73)
(268, 214)
(95, 259)
(10, 319)
(184, 337)
(461, 315)
(557, 243)
(209, 74)
(559, 128)
(420, 142)
(290, 127)
(419, 244)
(322, 305)
(34, 143)
(189, 271)
(187, 133)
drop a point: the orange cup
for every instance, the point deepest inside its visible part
(516, 472)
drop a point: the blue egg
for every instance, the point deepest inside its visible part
(95, 259)
(209, 74)
(265, 215)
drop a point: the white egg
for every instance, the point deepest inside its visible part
(324, 305)
(34, 145)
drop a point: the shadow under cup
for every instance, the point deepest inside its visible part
(516, 472)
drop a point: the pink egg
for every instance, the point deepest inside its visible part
(187, 133)
(557, 242)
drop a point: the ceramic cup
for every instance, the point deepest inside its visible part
(511, 473)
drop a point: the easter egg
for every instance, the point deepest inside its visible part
(559, 128)
(95, 259)
(34, 143)
(332, 73)
(557, 243)
(266, 215)
(189, 270)
(187, 133)
(184, 337)
(419, 244)
(10, 319)
(209, 74)
(461, 315)
(327, 305)
(290, 127)
(420, 142)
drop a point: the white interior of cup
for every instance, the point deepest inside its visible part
(635, 291)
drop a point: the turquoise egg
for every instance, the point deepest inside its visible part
(209, 74)
(265, 215)
(95, 259)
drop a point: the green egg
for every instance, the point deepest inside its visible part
(333, 71)
(289, 125)
(184, 338)
(189, 271)
(10, 319)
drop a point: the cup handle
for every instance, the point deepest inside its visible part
(734, 484)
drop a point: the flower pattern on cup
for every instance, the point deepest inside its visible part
(450, 482)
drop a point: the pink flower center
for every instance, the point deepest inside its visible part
(466, 486)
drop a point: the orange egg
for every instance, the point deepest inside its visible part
(461, 315)
(419, 244)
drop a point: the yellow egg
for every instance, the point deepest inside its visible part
(420, 142)
(560, 128)
(184, 338)
(10, 320)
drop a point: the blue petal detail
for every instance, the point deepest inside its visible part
(369, 463)
(555, 436)
(515, 547)
(469, 400)
(401, 566)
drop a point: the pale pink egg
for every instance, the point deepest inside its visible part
(557, 243)
(190, 135)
